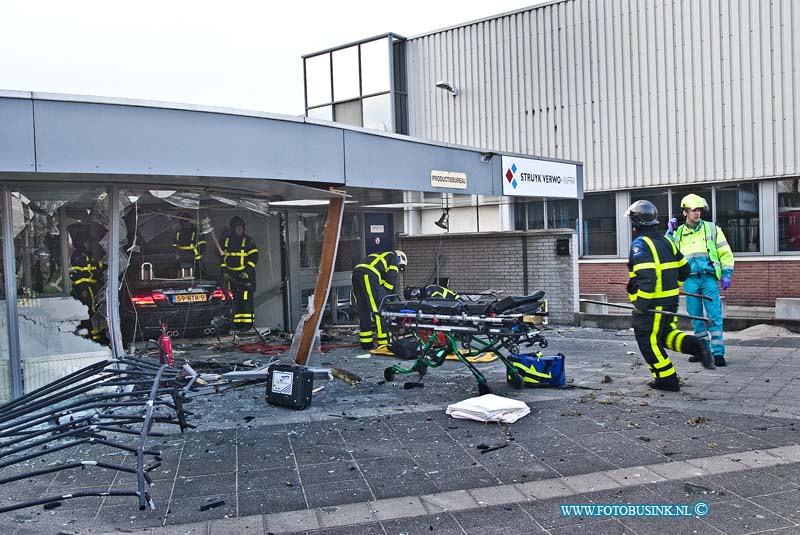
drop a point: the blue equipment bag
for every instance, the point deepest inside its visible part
(538, 369)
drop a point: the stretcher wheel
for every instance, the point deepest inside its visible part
(388, 374)
(420, 367)
(483, 389)
(516, 381)
(543, 343)
(513, 348)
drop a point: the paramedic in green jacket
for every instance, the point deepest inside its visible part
(704, 245)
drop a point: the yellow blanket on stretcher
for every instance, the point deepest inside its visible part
(483, 357)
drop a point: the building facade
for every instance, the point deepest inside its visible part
(658, 99)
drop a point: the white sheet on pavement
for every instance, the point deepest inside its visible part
(489, 408)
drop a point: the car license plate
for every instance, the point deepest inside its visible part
(189, 298)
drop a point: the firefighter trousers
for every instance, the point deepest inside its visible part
(86, 294)
(244, 291)
(655, 333)
(367, 296)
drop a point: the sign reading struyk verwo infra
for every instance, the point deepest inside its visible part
(525, 177)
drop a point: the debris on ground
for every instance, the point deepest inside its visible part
(607, 379)
(212, 505)
(697, 421)
(346, 376)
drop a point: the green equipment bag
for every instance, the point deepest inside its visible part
(538, 369)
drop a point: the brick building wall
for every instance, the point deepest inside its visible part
(494, 260)
(755, 282)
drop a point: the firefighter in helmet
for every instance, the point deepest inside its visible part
(374, 279)
(656, 270)
(189, 246)
(85, 273)
(238, 269)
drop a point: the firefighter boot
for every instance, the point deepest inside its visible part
(720, 361)
(670, 384)
(703, 354)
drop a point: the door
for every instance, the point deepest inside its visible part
(378, 232)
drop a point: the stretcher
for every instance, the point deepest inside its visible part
(466, 329)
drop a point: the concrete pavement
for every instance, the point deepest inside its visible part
(376, 458)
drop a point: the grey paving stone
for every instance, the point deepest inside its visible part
(497, 520)
(576, 463)
(393, 508)
(690, 491)
(463, 478)
(676, 470)
(374, 448)
(574, 427)
(443, 524)
(717, 464)
(344, 515)
(329, 472)
(750, 483)
(188, 509)
(337, 493)
(372, 528)
(671, 525)
(497, 495)
(789, 472)
(242, 525)
(783, 504)
(271, 501)
(292, 521)
(634, 475)
(456, 500)
(392, 478)
(590, 482)
(207, 465)
(544, 489)
(639, 494)
(189, 487)
(194, 528)
(605, 527)
(443, 458)
(256, 480)
(547, 513)
(741, 516)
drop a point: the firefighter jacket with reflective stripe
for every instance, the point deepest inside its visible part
(434, 291)
(656, 267)
(188, 240)
(384, 265)
(240, 256)
(83, 269)
(706, 248)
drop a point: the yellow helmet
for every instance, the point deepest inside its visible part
(692, 202)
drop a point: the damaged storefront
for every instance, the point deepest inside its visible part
(123, 220)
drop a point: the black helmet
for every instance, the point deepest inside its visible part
(643, 214)
(235, 222)
(412, 292)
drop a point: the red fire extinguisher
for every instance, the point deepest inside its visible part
(164, 346)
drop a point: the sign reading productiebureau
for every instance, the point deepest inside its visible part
(524, 177)
(448, 179)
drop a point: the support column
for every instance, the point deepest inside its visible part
(112, 281)
(10, 279)
(330, 244)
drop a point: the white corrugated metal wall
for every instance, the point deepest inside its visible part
(644, 92)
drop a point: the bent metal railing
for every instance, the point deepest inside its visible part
(96, 407)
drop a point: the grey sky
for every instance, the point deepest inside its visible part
(240, 53)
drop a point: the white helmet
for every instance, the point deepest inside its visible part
(402, 260)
